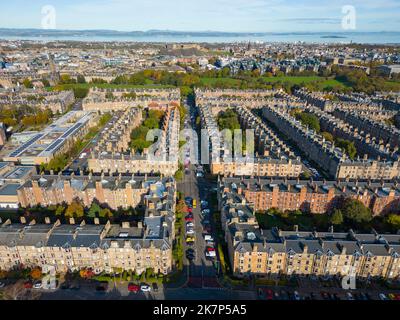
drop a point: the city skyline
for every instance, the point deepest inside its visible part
(219, 16)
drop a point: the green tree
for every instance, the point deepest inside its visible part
(394, 221)
(94, 210)
(80, 93)
(80, 79)
(60, 210)
(355, 210)
(337, 217)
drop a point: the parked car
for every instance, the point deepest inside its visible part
(190, 239)
(155, 287)
(382, 296)
(349, 296)
(28, 285)
(145, 288)
(2, 284)
(210, 244)
(189, 218)
(269, 294)
(205, 211)
(190, 224)
(190, 232)
(204, 203)
(207, 237)
(37, 285)
(133, 288)
(296, 296)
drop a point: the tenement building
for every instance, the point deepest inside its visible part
(324, 153)
(162, 157)
(317, 197)
(274, 160)
(100, 99)
(255, 251)
(98, 247)
(115, 192)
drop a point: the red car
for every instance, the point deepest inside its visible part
(209, 249)
(188, 218)
(269, 294)
(28, 285)
(133, 288)
(190, 210)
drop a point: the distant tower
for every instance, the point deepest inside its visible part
(249, 46)
(54, 76)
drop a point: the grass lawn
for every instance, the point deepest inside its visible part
(213, 81)
(293, 80)
(323, 82)
(393, 85)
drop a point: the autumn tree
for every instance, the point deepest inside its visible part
(75, 209)
(36, 273)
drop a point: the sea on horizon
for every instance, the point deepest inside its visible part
(345, 38)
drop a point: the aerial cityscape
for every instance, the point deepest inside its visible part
(236, 164)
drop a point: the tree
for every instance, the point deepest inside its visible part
(94, 210)
(337, 217)
(105, 213)
(394, 220)
(80, 93)
(86, 273)
(27, 83)
(60, 210)
(36, 273)
(109, 96)
(80, 79)
(355, 210)
(75, 209)
(328, 136)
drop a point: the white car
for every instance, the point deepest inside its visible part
(2, 284)
(207, 237)
(383, 296)
(190, 232)
(190, 224)
(211, 254)
(145, 288)
(206, 211)
(349, 296)
(37, 285)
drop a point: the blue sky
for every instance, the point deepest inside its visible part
(200, 15)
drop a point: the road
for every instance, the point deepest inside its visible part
(202, 272)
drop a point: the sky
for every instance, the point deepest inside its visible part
(204, 15)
